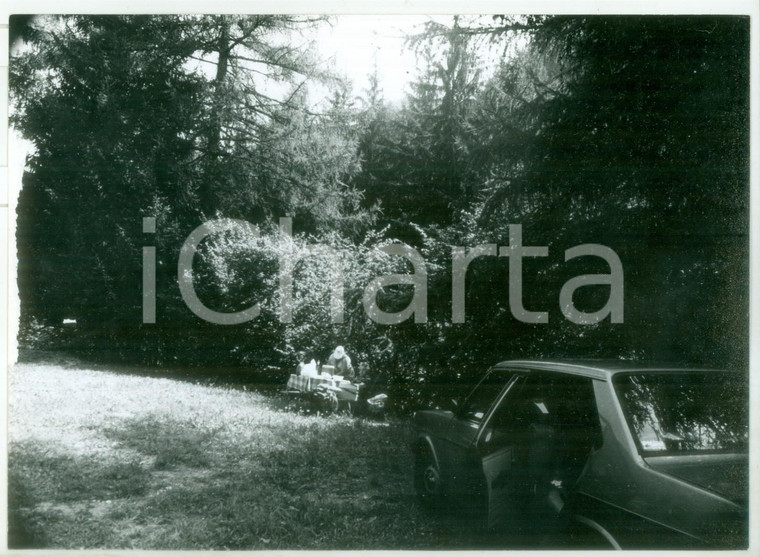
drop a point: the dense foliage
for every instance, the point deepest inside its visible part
(632, 132)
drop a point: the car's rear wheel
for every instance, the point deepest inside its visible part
(586, 534)
(427, 477)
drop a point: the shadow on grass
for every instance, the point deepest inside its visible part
(286, 482)
(168, 442)
(49, 493)
(266, 380)
(20, 535)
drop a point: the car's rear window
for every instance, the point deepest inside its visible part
(673, 413)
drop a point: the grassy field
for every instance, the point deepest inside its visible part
(114, 460)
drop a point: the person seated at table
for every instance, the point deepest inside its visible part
(301, 357)
(363, 380)
(341, 363)
(306, 366)
(362, 375)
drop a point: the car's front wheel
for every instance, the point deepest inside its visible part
(427, 477)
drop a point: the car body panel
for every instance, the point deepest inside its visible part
(652, 501)
(617, 475)
(724, 474)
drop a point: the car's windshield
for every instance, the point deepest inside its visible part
(685, 412)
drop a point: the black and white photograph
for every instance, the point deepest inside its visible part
(380, 281)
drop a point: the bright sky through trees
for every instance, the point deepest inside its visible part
(355, 43)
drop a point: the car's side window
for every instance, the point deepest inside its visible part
(560, 406)
(483, 396)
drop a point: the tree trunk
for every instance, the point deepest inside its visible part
(209, 202)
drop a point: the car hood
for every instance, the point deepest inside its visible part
(724, 474)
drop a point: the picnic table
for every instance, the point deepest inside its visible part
(332, 391)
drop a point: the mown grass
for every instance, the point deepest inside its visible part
(99, 460)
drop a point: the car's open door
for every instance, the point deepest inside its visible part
(497, 467)
(534, 444)
(496, 445)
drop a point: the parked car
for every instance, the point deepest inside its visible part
(618, 455)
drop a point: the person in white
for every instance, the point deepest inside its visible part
(341, 362)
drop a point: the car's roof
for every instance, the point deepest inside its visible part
(599, 369)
